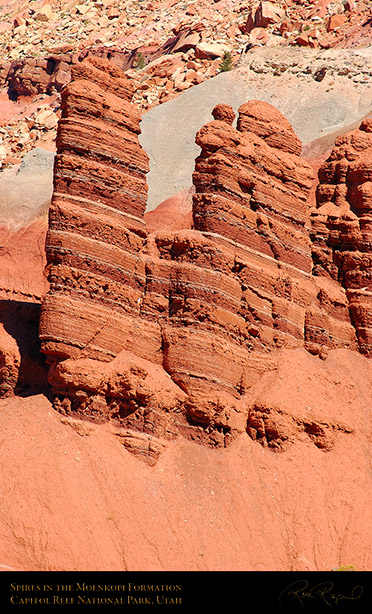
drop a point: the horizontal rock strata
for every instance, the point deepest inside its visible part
(342, 225)
(96, 226)
(166, 333)
(253, 189)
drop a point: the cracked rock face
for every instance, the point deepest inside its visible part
(342, 225)
(96, 226)
(252, 199)
(165, 333)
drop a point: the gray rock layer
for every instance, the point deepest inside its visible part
(320, 93)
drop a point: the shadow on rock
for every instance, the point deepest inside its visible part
(22, 367)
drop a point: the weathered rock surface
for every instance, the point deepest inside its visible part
(22, 256)
(262, 209)
(165, 333)
(9, 363)
(39, 75)
(342, 225)
(268, 13)
(269, 124)
(96, 216)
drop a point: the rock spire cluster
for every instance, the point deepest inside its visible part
(342, 225)
(164, 333)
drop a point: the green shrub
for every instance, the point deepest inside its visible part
(226, 62)
(139, 61)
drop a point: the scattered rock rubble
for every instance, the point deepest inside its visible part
(166, 46)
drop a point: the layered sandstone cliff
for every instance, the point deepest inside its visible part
(342, 225)
(166, 333)
(96, 226)
(253, 191)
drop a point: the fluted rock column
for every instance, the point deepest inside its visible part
(96, 225)
(252, 197)
(342, 225)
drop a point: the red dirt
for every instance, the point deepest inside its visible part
(22, 261)
(72, 497)
(174, 213)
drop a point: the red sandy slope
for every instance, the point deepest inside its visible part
(72, 497)
(22, 256)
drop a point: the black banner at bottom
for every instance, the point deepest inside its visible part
(45, 592)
